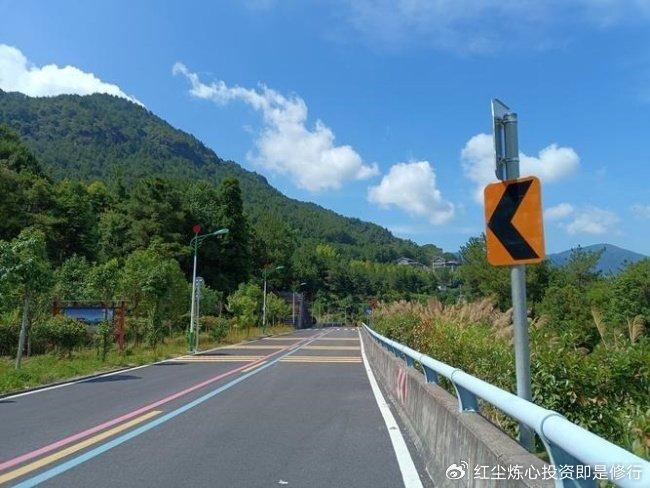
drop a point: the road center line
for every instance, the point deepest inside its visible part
(80, 435)
(61, 468)
(76, 447)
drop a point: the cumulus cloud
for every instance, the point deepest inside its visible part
(583, 220)
(641, 211)
(285, 144)
(19, 75)
(413, 188)
(592, 220)
(558, 212)
(553, 163)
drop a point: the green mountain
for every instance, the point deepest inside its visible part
(612, 260)
(102, 137)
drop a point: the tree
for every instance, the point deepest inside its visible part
(155, 286)
(24, 270)
(479, 278)
(70, 279)
(276, 308)
(76, 227)
(13, 153)
(234, 248)
(631, 292)
(245, 304)
(155, 210)
(103, 280)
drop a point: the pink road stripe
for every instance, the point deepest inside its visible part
(167, 399)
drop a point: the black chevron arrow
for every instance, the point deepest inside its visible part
(501, 221)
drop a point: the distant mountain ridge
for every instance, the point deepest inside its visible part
(102, 137)
(613, 259)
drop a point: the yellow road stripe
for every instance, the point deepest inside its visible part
(283, 338)
(305, 361)
(253, 367)
(222, 359)
(322, 358)
(338, 339)
(331, 348)
(28, 468)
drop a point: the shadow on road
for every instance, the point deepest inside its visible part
(115, 377)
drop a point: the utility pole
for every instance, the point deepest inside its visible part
(199, 285)
(264, 273)
(192, 338)
(506, 145)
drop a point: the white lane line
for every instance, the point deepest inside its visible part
(409, 472)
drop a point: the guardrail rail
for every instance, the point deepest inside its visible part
(566, 443)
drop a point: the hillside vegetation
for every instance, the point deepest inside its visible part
(101, 137)
(590, 345)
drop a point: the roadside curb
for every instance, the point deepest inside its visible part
(74, 379)
(83, 378)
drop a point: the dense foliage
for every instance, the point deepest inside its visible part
(105, 138)
(100, 241)
(589, 340)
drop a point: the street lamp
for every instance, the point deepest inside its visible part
(196, 241)
(293, 304)
(264, 272)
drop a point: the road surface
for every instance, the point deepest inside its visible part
(297, 410)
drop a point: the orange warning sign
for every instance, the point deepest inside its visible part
(514, 228)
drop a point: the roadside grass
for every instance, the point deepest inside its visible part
(48, 368)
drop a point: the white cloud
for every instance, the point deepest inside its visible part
(641, 211)
(592, 220)
(486, 26)
(553, 163)
(412, 187)
(17, 74)
(583, 220)
(285, 144)
(558, 212)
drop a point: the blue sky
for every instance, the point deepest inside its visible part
(378, 109)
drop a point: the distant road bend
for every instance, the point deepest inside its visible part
(298, 410)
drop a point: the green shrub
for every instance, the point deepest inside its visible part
(9, 330)
(218, 327)
(104, 338)
(64, 333)
(276, 309)
(136, 330)
(604, 389)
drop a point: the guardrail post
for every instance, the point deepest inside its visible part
(430, 375)
(467, 401)
(560, 458)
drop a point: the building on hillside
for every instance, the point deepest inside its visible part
(441, 262)
(404, 261)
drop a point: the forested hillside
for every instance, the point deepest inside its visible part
(101, 137)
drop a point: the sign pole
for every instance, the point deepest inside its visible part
(509, 161)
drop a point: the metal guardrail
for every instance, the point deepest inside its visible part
(567, 444)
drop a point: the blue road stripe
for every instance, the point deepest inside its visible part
(62, 468)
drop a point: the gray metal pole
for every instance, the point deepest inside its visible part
(518, 289)
(264, 305)
(196, 248)
(197, 324)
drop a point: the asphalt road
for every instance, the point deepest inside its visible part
(296, 410)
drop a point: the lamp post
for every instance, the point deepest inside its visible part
(195, 243)
(293, 303)
(264, 272)
(197, 322)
